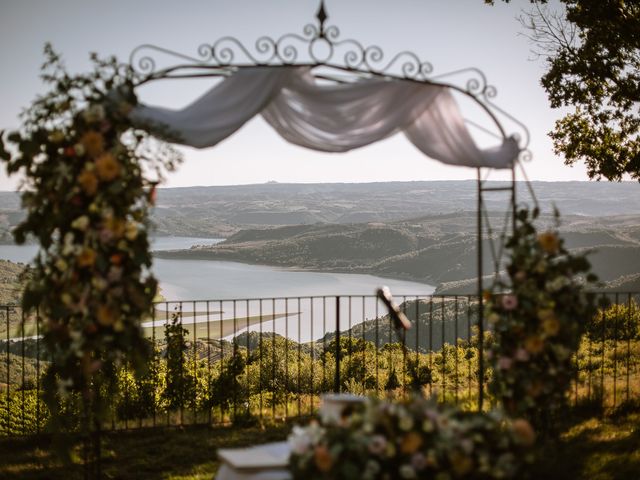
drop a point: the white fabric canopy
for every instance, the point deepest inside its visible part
(329, 118)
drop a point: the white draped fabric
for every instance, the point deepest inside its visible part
(328, 117)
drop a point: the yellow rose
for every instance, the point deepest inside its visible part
(524, 432)
(411, 442)
(93, 143)
(86, 258)
(107, 167)
(116, 226)
(545, 313)
(131, 231)
(551, 326)
(549, 242)
(61, 265)
(323, 459)
(106, 315)
(534, 344)
(460, 463)
(66, 298)
(88, 182)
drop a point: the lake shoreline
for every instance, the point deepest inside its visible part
(194, 255)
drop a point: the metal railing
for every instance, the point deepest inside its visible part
(269, 359)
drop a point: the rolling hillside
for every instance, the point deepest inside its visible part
(219, 212)
(439, 250)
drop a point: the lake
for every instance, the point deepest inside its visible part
(192, 281)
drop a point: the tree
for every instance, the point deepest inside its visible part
(592, 51)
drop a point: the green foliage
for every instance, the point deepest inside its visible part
(392, 382)
(22, 413)
(180, 382)
(228, 390)
(538, 323)
(142, 395)
(592, 51)
(87, 201)
(617, 322)
(233, 387)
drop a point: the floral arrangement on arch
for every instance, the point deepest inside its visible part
(87, 195)
(538, 322)
(413, 439)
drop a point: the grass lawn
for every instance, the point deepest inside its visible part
(171, 453)
(593, 449)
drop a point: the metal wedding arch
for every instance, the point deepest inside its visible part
(333, 59)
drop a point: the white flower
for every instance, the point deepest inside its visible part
(61, 265)
(407, 471)
(68, 247)
(405, 423)
(419, 461)
(300, 440)
(131, 231)
(99, 283)
(557, 283)
(79, 149)
(81, 223)
(371, 470)
(427, 425)
(378, 444)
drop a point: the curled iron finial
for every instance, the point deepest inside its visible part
(322, 18)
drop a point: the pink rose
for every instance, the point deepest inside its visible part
(509, 302)
(418, 461)
(378, 445)
(522, 355)
(504, 363)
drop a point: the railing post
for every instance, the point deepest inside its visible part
(336, 386)
(480, 302)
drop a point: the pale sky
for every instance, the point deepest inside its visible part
(451, 34)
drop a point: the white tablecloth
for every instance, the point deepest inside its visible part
(227, 472)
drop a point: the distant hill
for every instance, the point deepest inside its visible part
(221, 211)
(440, 250)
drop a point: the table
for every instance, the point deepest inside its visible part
(273, 453)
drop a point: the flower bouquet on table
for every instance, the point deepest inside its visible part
(413, 439)
(538, 322)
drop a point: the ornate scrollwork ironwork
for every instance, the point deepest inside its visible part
(318, 45)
